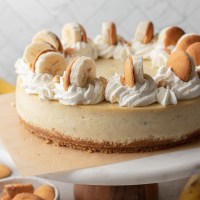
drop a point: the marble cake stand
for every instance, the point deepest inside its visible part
(135, 179)
(153, 169)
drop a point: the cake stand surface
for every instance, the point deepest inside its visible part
(168, 190)
(154, 169)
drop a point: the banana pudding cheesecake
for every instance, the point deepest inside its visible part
(109, 94)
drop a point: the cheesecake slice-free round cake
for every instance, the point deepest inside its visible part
(101, 95)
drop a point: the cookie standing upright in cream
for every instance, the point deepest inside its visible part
(111, 45)
(79, 84)
(144, 39)
(135, 89)
(194, 51)
(167, 40)
(76, 42)
(180, 78)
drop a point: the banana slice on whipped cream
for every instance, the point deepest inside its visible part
(79, 84)
(135, 88)
(109, 33)
(76, 43)
(49, 37)
(73, 33)
(33, 49)
(49, 62)
(144, 32)
(79, 72)
(133, 71)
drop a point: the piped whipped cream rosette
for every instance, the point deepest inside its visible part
(166, 42)
(76, 42)
(41, 61)
(144, 39)
(135, 88)
(111, 45)
(177, 80)
(79, 84)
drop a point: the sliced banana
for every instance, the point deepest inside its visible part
(50, 62)
(73, 33)
(109, 33)
(33, 49)
(138, 69)
(79, 72)
(133, 71)
(49, 37)
(144, 32)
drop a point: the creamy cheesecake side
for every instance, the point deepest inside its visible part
(107, 127)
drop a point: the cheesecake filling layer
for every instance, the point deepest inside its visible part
(96, 122)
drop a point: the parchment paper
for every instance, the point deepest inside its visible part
(33, 156)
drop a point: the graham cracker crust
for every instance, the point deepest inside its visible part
(108, 147)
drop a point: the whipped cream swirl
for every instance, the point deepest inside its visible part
(143, 49)
(41, 84)
(166, 96)
(120, 51)
(182, 90)
(139, 95)
(83, 49)
(159, 56)
(93, 93)
(21, 67)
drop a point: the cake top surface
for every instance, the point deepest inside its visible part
(153, 68)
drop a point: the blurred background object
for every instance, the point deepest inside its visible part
(21, 19)
(6, 87)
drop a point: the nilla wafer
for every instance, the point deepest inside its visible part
(186, 40)
(67, 73)
(144, 32)
(129, 78)
(194, 51)
(45, 192)
(113, 34)
(4, 171)
(180, 63)
(27, 196)
(133, 71)
(149, 33)
(109, 33)
(169, 36)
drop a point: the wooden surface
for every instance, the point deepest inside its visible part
(33, 156)
(133, 192)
